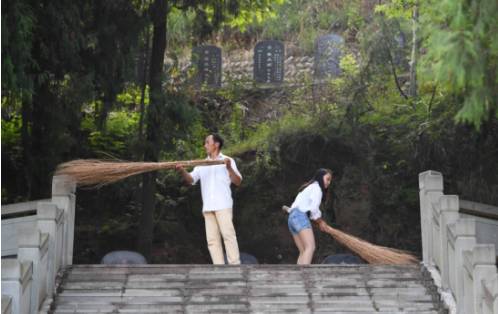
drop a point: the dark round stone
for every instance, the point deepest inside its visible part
(123, 257)
(245, 259)
(343, 259)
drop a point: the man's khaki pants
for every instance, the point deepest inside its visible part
(219, 224)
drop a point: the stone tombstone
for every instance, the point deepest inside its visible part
(400, 44)
(328, 53)
(269, 61)
(400, 40)
(207, 60)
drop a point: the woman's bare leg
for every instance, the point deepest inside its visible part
(299, 244)
(308, 240)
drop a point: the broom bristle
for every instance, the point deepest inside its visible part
(373, 254)
(95, 172)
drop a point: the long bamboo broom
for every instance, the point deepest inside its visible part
(97, 173)
(373, 254)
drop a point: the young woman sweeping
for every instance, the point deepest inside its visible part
(307, 202)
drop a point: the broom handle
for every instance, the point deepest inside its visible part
(190, 163)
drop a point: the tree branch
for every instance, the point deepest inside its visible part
(393, 69)
(432, 98)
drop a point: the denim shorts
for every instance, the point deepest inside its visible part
(298, 221)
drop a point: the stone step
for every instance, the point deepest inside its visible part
(228, 299)
(248, 288)
(202, 308)
(249, 275)
(197, 310)
(357, 289)
(282, 269)
(275, 304)
(336, 290)
(329, 292)
(238, 270)
(322, 281)
(398, 301)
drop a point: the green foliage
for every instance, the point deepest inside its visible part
(397, 9)
(180, 28)
(213, 15)
(266, 133)
(349, 66)
(131, 95)
(353, 13)
(249, 16)
(115, 141)
(307, 40)
(303, 21)
(461, 51)
(462, 54)
(234, 130)
(11, 131)
(189, 146)
(18, 21)
(277, 27)
(326, 19)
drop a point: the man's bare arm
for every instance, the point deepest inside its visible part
(185, 175)
(234, 177)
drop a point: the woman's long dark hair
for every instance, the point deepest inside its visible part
(318, 177)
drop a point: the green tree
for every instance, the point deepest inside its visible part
(462, 54)
(114, 29)
(56, 57)
(43, 58)
(461, 51)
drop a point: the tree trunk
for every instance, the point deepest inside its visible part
(412, 92)
(104, 112)
(153, 119)
(143, 87)
(42, 151)
(26, 144)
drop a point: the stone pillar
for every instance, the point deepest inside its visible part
(33, 246)
(63, 195)
(467, 306)
(50, 220)
(431, 189)
(484, 266)
(464, 232)
(449, 207)
(490, 304)
(16, 283)
(435, 243)
(6, 304)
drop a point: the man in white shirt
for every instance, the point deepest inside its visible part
(217, 202)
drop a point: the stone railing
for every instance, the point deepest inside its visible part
(458, 246)
(37, 241)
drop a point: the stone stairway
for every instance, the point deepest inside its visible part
(357, 289)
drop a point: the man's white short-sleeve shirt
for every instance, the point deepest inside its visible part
(215, 184)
